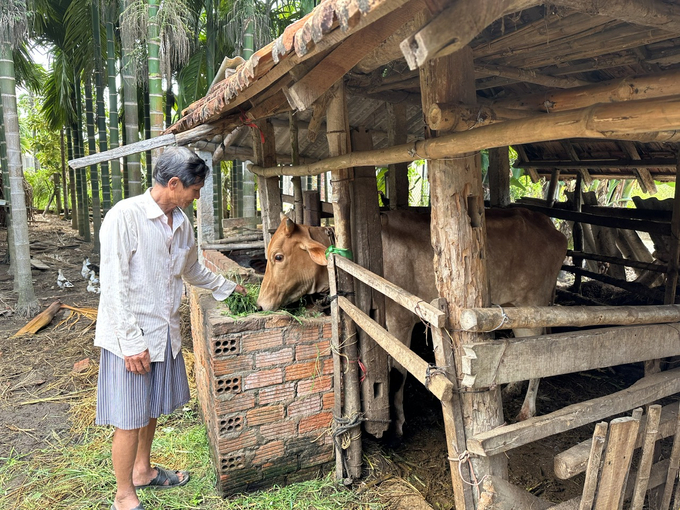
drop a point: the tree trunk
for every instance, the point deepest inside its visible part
(83, 199)
(134, 171)
(94, 176)
(458, 238)
(155, 85)
(116, 184)
(72, 178)
(101, 115)
(63, 172)
(28, 304)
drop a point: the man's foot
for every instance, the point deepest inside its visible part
(121, 507)
(166, 479)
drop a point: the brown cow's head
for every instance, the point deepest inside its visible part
(296, 266)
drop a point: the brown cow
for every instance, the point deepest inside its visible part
(525, 253)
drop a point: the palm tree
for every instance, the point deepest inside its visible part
(110, 15)
(13, 28)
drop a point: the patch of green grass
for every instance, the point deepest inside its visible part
(239, 305)
(78, 475)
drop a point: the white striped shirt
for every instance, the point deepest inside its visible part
(142, 264)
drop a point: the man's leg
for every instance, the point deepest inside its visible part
(123, 453)
(143, 473)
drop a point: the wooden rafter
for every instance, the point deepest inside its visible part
(644, 178)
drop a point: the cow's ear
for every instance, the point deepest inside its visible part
(317, 252)
(290, 226)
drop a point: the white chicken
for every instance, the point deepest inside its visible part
(85, 270)
(62, 281)
(93, 278)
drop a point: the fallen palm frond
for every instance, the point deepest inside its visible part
(75, 315)
(41, 320)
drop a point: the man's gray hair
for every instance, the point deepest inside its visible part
(180, 162)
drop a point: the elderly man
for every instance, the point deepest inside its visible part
(147, 249)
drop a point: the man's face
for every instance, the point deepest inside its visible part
(182, 196)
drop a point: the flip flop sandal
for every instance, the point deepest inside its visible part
(166, 475)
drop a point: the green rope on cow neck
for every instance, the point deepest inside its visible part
(343, 252)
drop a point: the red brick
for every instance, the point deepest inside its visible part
(306, 407)
(278, 430)
(327, 331)
(241, 363)
(298, 371)
(280, 393)
(262, 340)
(328, 400)
(303, 334)
(268, 452)
(246, 440)
(274, 358)
(313, 351)
(316, 422)
(319, 458)
(315, 385)
(263, 378)
(262, 415)
(327, 367)
(237, 403)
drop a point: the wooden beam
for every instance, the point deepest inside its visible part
(455, 117)
(597, 121)
(436, 382)
(569, 148)
(646, 390)
(521, 157)
(572, 462)
(490, 319)
(499, 177)
(617, 90)
(644, 178)
(529, 76)
(599, 163)
(425, 311)
(636, 288)
(305, 92)
(499, 494)
(650, 13)
(455, 27)
(397, 177)
(198, 133)
(487, 364)
(647, 266)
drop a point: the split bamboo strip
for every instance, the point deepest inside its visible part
(593, 469)
(490, 319)
(597, 121)
(645, 466)
(337, 367)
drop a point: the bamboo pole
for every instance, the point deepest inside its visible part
(606, 121)
(647, 266)
(489, 319)
(672, 470)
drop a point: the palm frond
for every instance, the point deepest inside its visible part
(28, 74)
(57, 93)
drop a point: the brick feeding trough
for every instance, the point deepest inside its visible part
(265, 386)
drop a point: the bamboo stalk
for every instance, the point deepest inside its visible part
(597, 121)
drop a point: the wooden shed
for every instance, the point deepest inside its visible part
(581, 89)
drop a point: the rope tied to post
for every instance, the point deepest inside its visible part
(465, 457)
(343, 252)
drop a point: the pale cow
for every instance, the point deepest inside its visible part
(525, 253)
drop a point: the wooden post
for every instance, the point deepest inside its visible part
(204, 208)
(397, 177)
(551, 194)
(311, 207)
(458, 237)
(577, 234)
(295, 159)
(674, 249)
(337, 133)
(367, 243)
(499, 177)
(270, 193)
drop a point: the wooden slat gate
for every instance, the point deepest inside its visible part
(440, 379)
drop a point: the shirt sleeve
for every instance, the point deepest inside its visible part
(118, 245)
(198, 275)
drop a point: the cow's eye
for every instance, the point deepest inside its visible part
(278, 257)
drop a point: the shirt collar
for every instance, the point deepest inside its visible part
(154, 211)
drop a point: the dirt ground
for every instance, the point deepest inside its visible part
(37, 380)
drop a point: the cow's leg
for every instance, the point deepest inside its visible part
(399, 323)
(528, 409)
